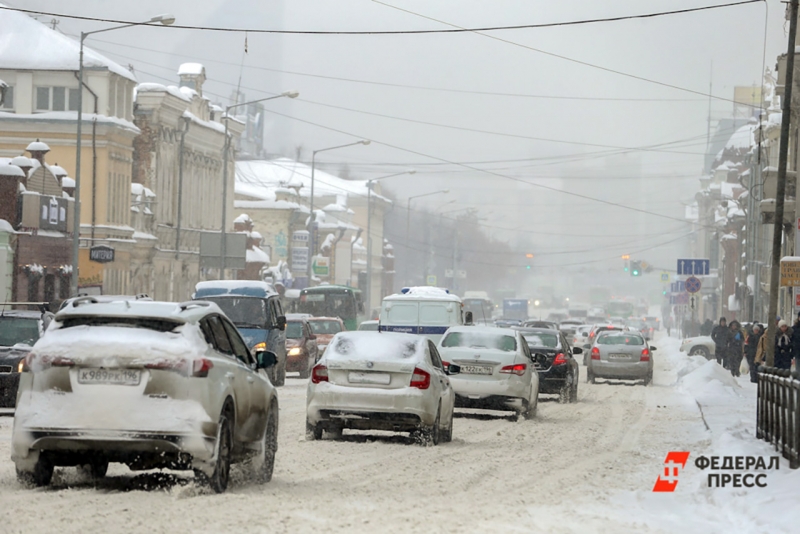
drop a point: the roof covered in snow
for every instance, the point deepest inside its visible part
(26, 44)
(191, 69)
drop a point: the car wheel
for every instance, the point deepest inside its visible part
(700, 351)
(530, 408)
(218, 481)
(564, 394)
(590, 377)
(42, 472)
(313, 432)
(280, 375)
(447, 432)
(573, 391)
(431, 435)
(648, 379)
(269, 446)
(95, 469)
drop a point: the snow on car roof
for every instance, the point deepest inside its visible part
(424, 292)
(138, 308)
(384, 346)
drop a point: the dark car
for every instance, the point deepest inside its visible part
(302, 352)
(507, 323)
(554, 361)
(19, 330)
(550, 325)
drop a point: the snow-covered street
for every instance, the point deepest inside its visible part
(586, 467)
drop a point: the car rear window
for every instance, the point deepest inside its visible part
(619, 339)
(542, 340)
(480, 340)
(150, 323)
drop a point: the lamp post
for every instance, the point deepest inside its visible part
(368, 298)
(166, 20)
(311, 200)
(408, 222)
(223, 246)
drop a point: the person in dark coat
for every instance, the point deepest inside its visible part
(750, 349)
(784, 351)
(706, 328)
(720, 335)
(735, 347)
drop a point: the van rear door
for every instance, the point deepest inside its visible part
(400, 316)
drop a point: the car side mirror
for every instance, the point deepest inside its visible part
(468, 317)
(453, 369)
(282, 322)
(265, 359)
(653, 348)
(577, 350)
(312, 337)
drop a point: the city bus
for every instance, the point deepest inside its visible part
(343, 302)
(620, 308)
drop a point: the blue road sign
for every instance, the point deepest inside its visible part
(677, 286)
(693, 284)
(694, 267)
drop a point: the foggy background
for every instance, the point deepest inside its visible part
(586, 141)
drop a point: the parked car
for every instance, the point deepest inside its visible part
(148, 384)
(496, 369)
(302, 351)
(554, 362)
(256, 310)
(381, 381)
(324, 328)
(19, 330)
(369, 326)
(621, 355)
(699, 346)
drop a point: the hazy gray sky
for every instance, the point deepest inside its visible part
(677, 50)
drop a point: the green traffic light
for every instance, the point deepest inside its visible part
(527, 266)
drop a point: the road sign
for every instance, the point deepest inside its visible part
(679, 298)
(677, 286)
(665, 277)
(448, 273)
(694, 267)
(693, 300)
(790, 271)
(681, 309)
(693, 284)
(431, 280)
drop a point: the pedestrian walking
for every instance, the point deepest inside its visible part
(784, 351)
(720, 336)
(751, 346)
(706, 328)
(735, 348)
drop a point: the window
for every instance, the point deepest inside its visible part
(480, 340)
(294, 330)
(239, 348)
(433, 314)
(222, 344)
(8, 100)
(406, 313)
(435, 358)
(542, 340)
(56, 99)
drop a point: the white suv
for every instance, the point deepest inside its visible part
(147, 384)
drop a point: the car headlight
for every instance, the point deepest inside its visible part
(295, 351)
(260, 346)
(21, 366)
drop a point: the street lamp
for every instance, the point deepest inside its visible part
(223, 246)
(311, 200)
(165, 19)
(368, 298)
(408, 219)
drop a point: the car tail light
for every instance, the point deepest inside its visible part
(179, 366)
(45, 362)
(560, 359)
(645, 357)
(319, 374)
(446, 366)
(516, 369)
(201, 367)
(420, 379)
(595, 353)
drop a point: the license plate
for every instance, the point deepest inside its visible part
(619, 356)
(369, 378)
(476, 370)
(118, 377)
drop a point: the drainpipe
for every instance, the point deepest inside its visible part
(352, 244)
(180, 189)
(94, 157)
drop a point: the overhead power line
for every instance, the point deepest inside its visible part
(392, 32)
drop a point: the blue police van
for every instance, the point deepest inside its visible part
(428, 311)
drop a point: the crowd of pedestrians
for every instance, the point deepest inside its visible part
(734, 343)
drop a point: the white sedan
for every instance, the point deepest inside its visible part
(381, 381)
(496, 369)
(147, 384)
(699, 346)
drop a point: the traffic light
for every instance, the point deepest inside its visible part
(636, 268)
(528, 260)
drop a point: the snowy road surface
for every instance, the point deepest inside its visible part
(585, 467)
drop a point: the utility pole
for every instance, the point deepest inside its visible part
(775, 273)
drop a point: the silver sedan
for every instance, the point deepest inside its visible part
(621, 355)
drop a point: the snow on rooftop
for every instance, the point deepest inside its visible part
(197, 120)
(256, 255)
(191, 69)
(67, 182)
(11, 170)
(6, 227)
(38, 146)
(88, 118)
(21, 161)
(58, 171)
(26, 44)
(243, 218)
